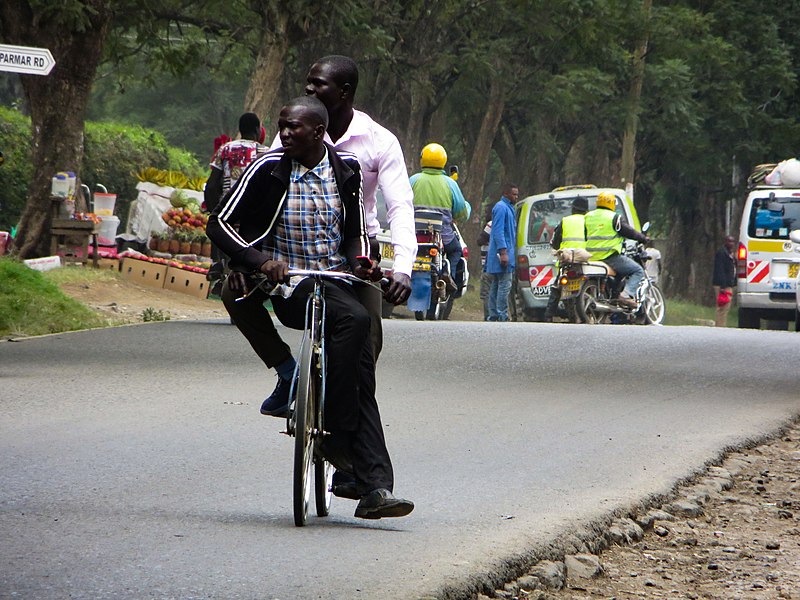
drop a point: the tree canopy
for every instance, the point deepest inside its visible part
(534, 91)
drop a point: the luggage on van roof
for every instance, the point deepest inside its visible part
(785, 174)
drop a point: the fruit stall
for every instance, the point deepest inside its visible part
(167, 218)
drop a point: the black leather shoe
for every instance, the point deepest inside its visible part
(380, 504)
(343, 485)
(345, 490)
(277, 405)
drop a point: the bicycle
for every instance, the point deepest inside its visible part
(307, 400)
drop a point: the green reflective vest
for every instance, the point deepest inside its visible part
(601, 239)
(572, 232)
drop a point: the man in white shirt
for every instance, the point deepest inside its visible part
(334, 79)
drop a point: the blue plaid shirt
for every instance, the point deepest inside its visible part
(308, 232)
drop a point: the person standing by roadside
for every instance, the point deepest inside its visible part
(500, 258)
(227, 165)
(723, 280)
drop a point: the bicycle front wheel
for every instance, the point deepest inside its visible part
(304, 409)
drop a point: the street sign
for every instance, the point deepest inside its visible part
(25, 60)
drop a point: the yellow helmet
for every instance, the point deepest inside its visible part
(606, 200)
(434, 156)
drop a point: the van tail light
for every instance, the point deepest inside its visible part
(741, 261)
(523, 269)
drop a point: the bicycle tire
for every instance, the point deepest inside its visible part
(323, 470)
(323, 484)
(304, 409)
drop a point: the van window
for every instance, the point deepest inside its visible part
(545, 215)
(773, 217)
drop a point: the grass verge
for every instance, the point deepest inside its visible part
(31, 302)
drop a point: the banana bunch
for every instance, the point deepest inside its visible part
(173, 179)
(196, 183)
(150, 174)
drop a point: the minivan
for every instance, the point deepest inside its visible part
(768, 261)
(537, 217)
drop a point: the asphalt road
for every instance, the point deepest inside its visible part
(134, 462)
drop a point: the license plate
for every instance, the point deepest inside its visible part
(573, 285)
(387, 251)
(422, 265)
(794, 268)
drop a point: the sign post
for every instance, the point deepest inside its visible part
(25, 60)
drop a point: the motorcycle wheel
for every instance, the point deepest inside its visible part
(571, 310)
(585, 302)
(447, 308)
(654, 306)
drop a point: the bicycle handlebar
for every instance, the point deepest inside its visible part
(262, 279)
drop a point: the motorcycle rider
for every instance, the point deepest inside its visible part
(605, 231)
(569, 233)
(435, 190)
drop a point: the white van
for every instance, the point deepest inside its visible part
(768, 262)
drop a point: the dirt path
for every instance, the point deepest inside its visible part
(743, 545)
(122, 301)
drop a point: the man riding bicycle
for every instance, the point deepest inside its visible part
(301, 207)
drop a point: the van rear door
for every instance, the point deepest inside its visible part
(771, 265)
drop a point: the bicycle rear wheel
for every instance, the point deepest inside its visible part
(304, 409)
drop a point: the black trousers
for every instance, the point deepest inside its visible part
(351, 410)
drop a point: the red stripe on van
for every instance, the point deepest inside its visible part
(759, 272)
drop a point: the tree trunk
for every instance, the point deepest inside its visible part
(689, 259)
(628, 167)
(266, 78)
(57, 102)
(479, 163)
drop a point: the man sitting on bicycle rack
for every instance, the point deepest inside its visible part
(301, 207)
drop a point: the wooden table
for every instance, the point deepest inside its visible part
(82, 231)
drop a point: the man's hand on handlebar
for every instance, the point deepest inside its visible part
(276, 271)
(239, 282)
(398, 289)
(367, 269)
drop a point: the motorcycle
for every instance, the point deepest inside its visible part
(432, 288)
(590, 290)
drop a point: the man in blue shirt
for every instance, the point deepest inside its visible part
(500, 258)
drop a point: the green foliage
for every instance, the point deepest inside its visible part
(113, 151)
(189, 111)
(152, 314)
(31, 304)
(16, 171)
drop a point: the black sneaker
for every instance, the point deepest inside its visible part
(380, 503)
(277, 405)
